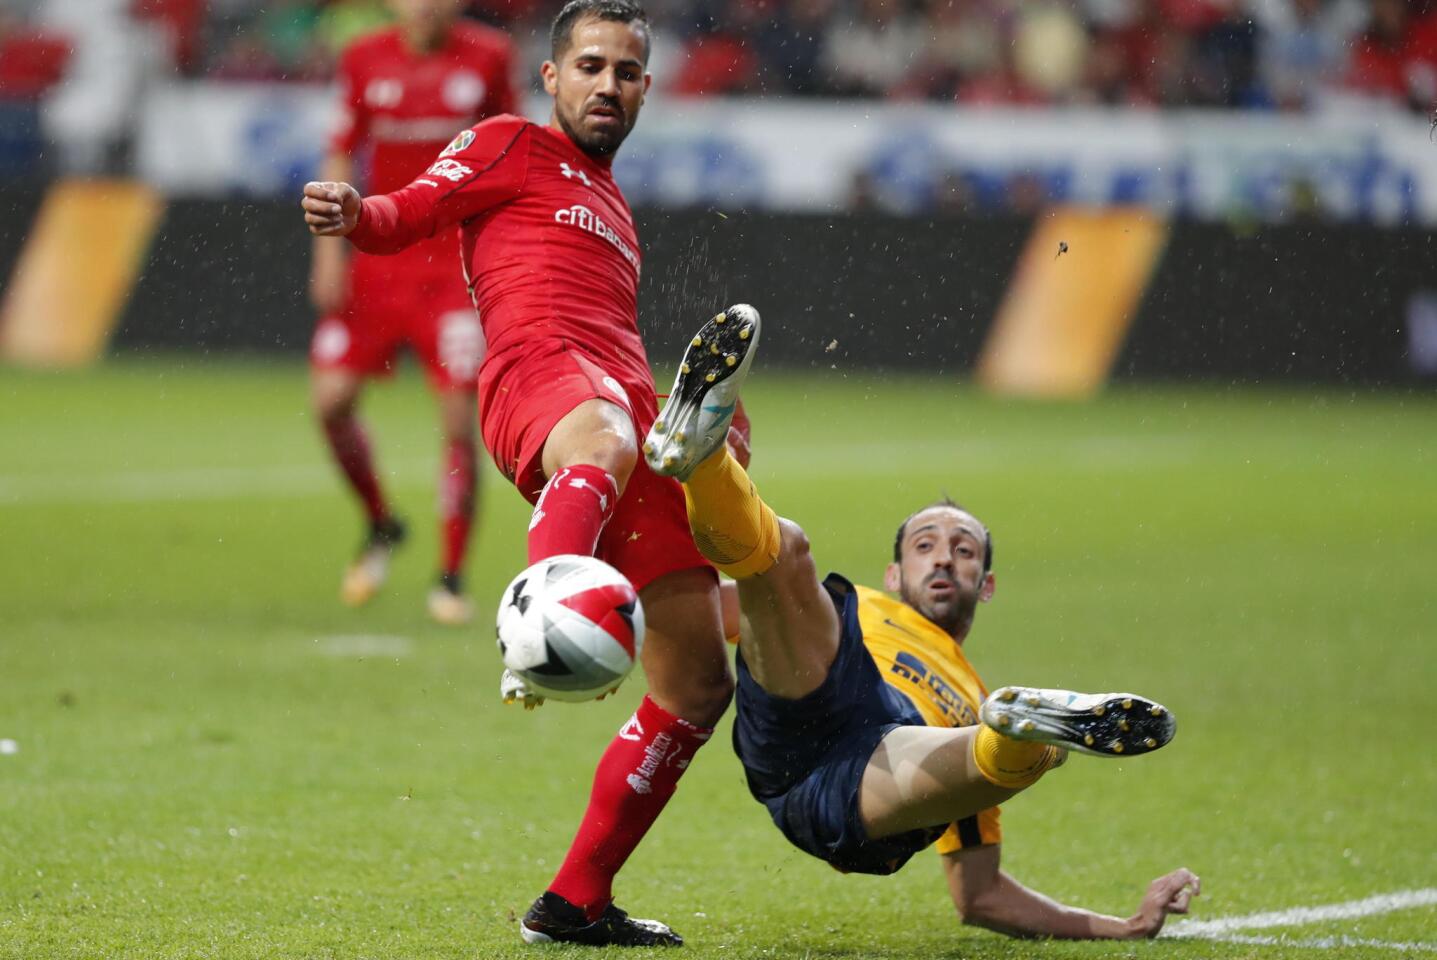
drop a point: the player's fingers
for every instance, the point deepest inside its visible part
(1182, 877)
(1180, 902)
(322, 206)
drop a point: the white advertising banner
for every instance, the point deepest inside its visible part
(1358, 163)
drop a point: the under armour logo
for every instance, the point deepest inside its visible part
(570, 173)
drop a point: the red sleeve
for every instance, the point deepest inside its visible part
(742, 424)
(462, 183)
(352, 120)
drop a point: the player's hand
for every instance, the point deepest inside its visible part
(330, 209)
(513, 690)
(1166, 895)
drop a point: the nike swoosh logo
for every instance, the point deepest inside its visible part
(899, 626)
(721, 411)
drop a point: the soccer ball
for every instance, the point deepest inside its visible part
(571, 627)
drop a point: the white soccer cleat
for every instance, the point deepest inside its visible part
(513, 689)
(1099, 724)
(370, 569)
(695, 419)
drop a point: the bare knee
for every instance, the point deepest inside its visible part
(458, 416)
(795, 553)
(334, 395)
(597, 433)
(702, 700)
(684, 653)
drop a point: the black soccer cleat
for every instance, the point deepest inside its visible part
(552, 919)
(1100, 724)
(695, 420)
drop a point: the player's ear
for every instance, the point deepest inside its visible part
(985, 592)
(893, 578)
(648, 81)
(549, 72)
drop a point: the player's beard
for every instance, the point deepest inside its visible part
(597, 143)
(953, 616)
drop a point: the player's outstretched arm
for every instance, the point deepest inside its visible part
(987, 897)
(330, 209)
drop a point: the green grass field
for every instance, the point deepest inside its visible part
(216, 759)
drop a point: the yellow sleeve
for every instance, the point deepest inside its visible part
(979, 830)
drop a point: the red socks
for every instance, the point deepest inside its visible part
(636, 777)
(350, 446)
(571, 512)
(641, 768)
(457, 483)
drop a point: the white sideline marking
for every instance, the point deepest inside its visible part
(8, 747)
(1350, 910)
(1098, 452)
(365, 645)
(1322, 943)
(196, 483)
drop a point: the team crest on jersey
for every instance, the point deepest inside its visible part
(460, 142)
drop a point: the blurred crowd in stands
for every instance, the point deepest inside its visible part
(1278, 54)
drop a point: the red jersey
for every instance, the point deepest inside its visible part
(549, 245)
(407, 105)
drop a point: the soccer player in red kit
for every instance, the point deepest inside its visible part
(404, 92)
(552, 259)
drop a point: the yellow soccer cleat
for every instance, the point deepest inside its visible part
(370, 568)
(447, 605)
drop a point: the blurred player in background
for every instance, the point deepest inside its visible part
(552, 257)
(859, 715)
(405, 91)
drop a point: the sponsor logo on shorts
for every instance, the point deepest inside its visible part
(460, 142)
(451, 170)
(330, 343)
(590, 222)
(461, 344)
(618, 389)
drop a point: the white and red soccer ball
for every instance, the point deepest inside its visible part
(570, 627)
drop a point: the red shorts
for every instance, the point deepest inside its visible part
(527, 389)
(419, 300)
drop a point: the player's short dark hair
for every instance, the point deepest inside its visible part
(944, 501)
(561, 34)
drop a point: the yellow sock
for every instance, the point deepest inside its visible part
(1006, 762)
(732, 525)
